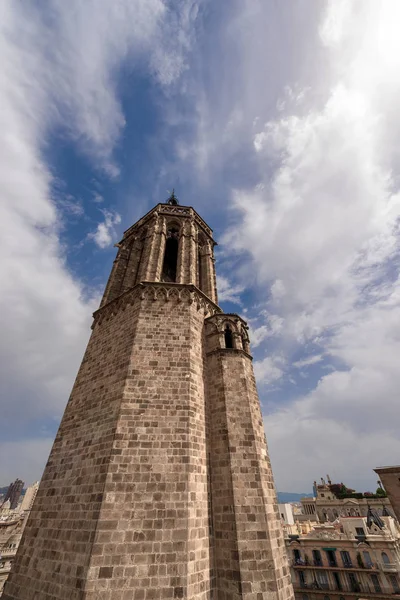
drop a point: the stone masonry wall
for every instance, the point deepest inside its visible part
(122, 510)
(250, 555)
(152, 536)
(55, 548)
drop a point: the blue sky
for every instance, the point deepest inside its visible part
(278, 122)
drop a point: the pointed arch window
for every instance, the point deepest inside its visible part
(200, 269)
(228, 337)
(170, 263)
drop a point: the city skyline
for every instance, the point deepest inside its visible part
(278, 123)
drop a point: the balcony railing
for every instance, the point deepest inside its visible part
(316, 587)
(389, 567)
(304, 564)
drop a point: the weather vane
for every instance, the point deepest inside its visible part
(173, 199)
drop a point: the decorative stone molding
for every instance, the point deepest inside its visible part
(230, 350)
(167, 292)
(167, 209)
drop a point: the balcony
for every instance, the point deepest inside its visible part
(389, 567)
(302, 564)
(345, 588)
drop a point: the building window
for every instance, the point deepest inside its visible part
(326, 598)
(322, 580)
(385, 558)
(228, 337)
(305, 597)
(360, 531)
(376, 583)
(331, 558)
(338, 583)
(346, 559)
(354, 585)
(395, 583)
(200, 270)
(302, 579)
(297, 557)
(317, 559)
(367, 559)
(170, 256)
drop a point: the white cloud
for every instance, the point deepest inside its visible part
(60, 69)
(105, 232)
(227, 291)
(270, 369)
(318, 228)
(272, 326)
(311, 360)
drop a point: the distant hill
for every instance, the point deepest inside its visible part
(284, 497)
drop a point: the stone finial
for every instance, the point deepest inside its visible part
(173, 200)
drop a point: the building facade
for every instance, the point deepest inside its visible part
(352, 559)
(159, 483)
(12, 523)
(29, 497)
(326, 506)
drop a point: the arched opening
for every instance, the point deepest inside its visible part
(170, 256)
(367, 559)
(228, 337)
(200, 270)
(385, 558)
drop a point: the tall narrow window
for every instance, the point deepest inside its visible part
(346, 559)
(200, 270)
(395, 583)
(170, 256)
(317, 558)
(331, 558)
(336, 579)
(376, 583)
(302, 579)
(228, 337)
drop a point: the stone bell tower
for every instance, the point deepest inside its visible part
(158, 484)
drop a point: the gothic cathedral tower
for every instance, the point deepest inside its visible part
(159, 484)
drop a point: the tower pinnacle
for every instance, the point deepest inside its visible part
(173, 200)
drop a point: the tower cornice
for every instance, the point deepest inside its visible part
(154, 290)
(170, 210)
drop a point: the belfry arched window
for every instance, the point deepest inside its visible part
(200, 269)
(228, 337)
(170, 256)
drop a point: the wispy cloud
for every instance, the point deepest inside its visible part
(317, 221)
(229, 292)
(306, 362)
(61, 66)
(105, 232)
